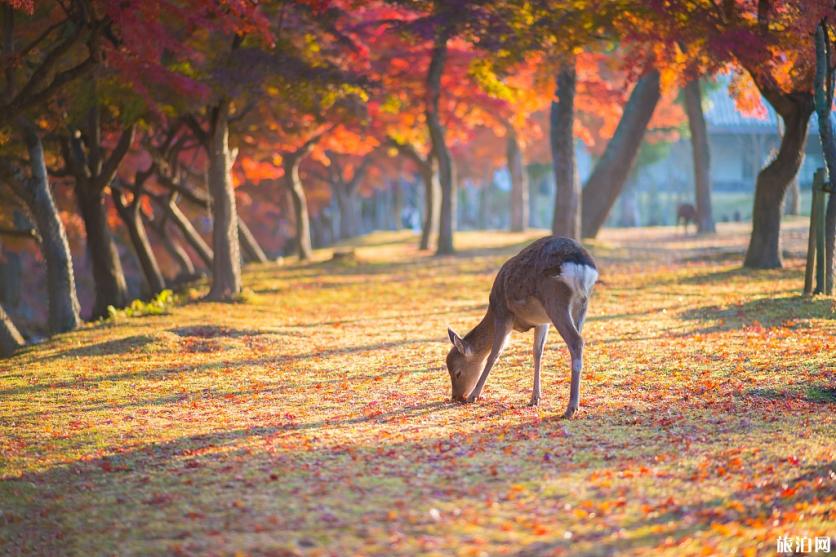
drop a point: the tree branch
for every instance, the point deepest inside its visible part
(111, 165)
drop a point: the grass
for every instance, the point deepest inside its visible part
(312, 417)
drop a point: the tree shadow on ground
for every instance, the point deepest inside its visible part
(767, 312)
(181, 493)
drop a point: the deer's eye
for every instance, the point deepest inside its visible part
(458, 374)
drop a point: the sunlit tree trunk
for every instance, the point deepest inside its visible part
(608, 178)
(764, 251)
(61, 290)
(567, 201)
(447, 216)
(226, 264)
(701, 156)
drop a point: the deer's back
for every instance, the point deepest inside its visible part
(523, 276)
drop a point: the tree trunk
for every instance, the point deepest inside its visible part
(792, 200)
(226, 263)
(252, 251)
(397, 203)
(64, 308)
(132, 218)
(701, 156)
(174, 249)
(519, 182)
(567, 200)
(764, 251)
(824, 85)
(432, 203)
(447, 223)
(192, 236)
(293, 183)
(10, 338)
(610, 174)
(111, 289)
(348, 210)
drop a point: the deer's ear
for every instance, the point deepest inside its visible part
(457, 342)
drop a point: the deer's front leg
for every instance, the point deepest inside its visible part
(561, 317)
(501, 330)
(540, 333)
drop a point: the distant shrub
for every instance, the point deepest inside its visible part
(159, 305)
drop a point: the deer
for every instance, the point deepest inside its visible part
(547, 283)
(686, 213)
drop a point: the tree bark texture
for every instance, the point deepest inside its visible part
(440, 151)
(608, 178)
(64, 309)
(566, 220)
(226, 263)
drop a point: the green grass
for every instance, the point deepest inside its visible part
(312, 417)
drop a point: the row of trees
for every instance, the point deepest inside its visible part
(130, 109)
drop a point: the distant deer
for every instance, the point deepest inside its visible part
(687, 213)
(548, 282)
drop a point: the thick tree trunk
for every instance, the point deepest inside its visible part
(567, 200)
(764, 251)
(10, 338)
(192, 236)
(132, 218)
(432, 203)
(252, 251)
(519, 182)
(64, 308)
(701, 156)
(293, 183)
(447, 224)
(226, 264)
(610, 174)
(111, 289)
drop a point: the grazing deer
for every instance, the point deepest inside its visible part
(687, 213)
(548, 282)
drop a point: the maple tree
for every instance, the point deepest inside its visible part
(761, 39)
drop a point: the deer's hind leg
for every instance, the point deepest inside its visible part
(560, 312)
(540, 334)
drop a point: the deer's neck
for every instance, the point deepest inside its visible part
(480, 339)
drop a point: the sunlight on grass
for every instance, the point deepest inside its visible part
(312, 418)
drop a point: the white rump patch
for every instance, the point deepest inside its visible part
(580, 278)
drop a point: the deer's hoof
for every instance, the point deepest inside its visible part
(570, 413)
(471, 399)
(535, 401)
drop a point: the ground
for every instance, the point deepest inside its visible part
(312, 417)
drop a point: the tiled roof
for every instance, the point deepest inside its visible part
(722, 116)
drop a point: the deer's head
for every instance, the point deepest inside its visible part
(464, 366)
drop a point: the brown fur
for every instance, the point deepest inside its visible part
(527, 293)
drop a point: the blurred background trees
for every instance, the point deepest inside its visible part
(144, 144)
